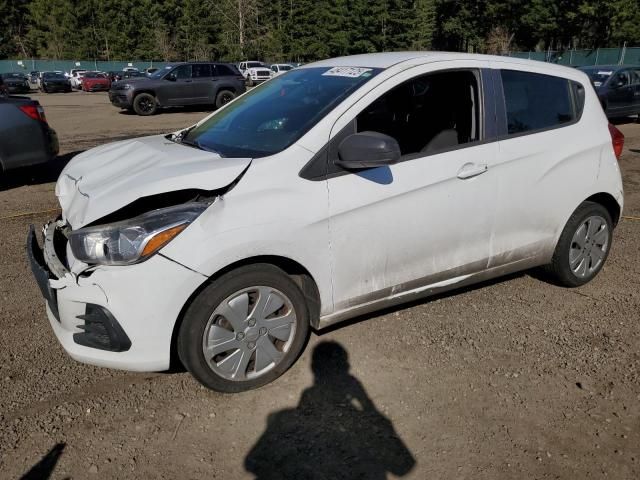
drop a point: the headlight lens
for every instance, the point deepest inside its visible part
(135, 240)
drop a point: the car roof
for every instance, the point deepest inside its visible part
(389, 59)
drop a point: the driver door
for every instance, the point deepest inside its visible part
(427, 220)
(178, 88)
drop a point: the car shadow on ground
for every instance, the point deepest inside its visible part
(335, 431)
(45, 467)
(36, 174)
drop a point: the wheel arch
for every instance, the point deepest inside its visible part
(294, 269)
(609, 202)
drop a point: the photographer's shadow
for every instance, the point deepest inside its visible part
(335, 432)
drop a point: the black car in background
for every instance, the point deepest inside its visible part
(25, 136)
(16, 82)
(54, 82)
(618, 87)
(177, 85)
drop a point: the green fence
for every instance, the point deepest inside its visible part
(580, 58)
(27, 66)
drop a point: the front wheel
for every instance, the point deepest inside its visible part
(583, 247)
(245, 329)
(145, 104)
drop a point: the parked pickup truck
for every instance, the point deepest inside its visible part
(25, 136)
(179, 84)
(254, 72)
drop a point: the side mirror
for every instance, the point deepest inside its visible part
(368, 150)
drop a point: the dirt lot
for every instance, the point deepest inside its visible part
(514, 379)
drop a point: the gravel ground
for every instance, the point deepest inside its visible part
(513, 379)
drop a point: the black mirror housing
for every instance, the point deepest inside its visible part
(368, 150)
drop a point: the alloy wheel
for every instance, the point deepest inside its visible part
(249, 333)
(589, 247)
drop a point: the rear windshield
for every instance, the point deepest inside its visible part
(274, 115)
(93, 75)
(53, 75)
(599, 76)
(7, 76)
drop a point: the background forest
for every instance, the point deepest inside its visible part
(305, 30)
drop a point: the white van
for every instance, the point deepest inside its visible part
(336, 189)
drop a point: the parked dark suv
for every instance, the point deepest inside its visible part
(180, 84)
(618, 88)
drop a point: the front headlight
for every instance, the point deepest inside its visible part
(135, 240)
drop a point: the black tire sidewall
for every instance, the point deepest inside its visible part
(138, 98)
(220, 95)
(560, 263)
(198, 313)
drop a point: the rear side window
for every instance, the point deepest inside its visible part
(536, 102)
(223, 71)
(200, 70)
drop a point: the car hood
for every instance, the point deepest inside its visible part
(107, 178)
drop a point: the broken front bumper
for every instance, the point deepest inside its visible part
(119, 317)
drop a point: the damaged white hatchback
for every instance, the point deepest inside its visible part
(331, 191)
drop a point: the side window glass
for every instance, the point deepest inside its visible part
(427, 114)
(621, 79)
(182, 72)
(222, 71)
(200, 70)
(534, 101)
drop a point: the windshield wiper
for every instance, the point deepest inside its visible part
(196, 144)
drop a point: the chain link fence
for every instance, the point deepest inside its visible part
(581, 58)
(27, 66)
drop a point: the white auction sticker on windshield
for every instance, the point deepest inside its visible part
(350, 72)
(602, 72)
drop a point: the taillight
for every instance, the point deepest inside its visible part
(617, 140)
(34, 111)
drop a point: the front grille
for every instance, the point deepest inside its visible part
(101, 330)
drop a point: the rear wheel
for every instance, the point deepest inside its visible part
(245, 329)
(583, 247)
(224, 97)
(145, 104)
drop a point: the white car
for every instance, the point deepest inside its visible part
(280, 68)
(254, 72)
(75, 77)
(346, 186)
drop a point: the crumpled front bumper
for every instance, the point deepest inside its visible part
(119, 317)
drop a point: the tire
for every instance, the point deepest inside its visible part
(145, 104)
(246, 363)
(223, 97)
(594, 221)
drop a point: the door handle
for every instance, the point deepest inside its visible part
(469, 170)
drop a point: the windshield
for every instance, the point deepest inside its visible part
(274, 115)
(254, 65)
(160, 73)
(599, 76)
(93, 75)
(53, 75)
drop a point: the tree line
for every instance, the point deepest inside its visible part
(305, 30)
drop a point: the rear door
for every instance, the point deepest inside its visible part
(203, 83)
(547, 161)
